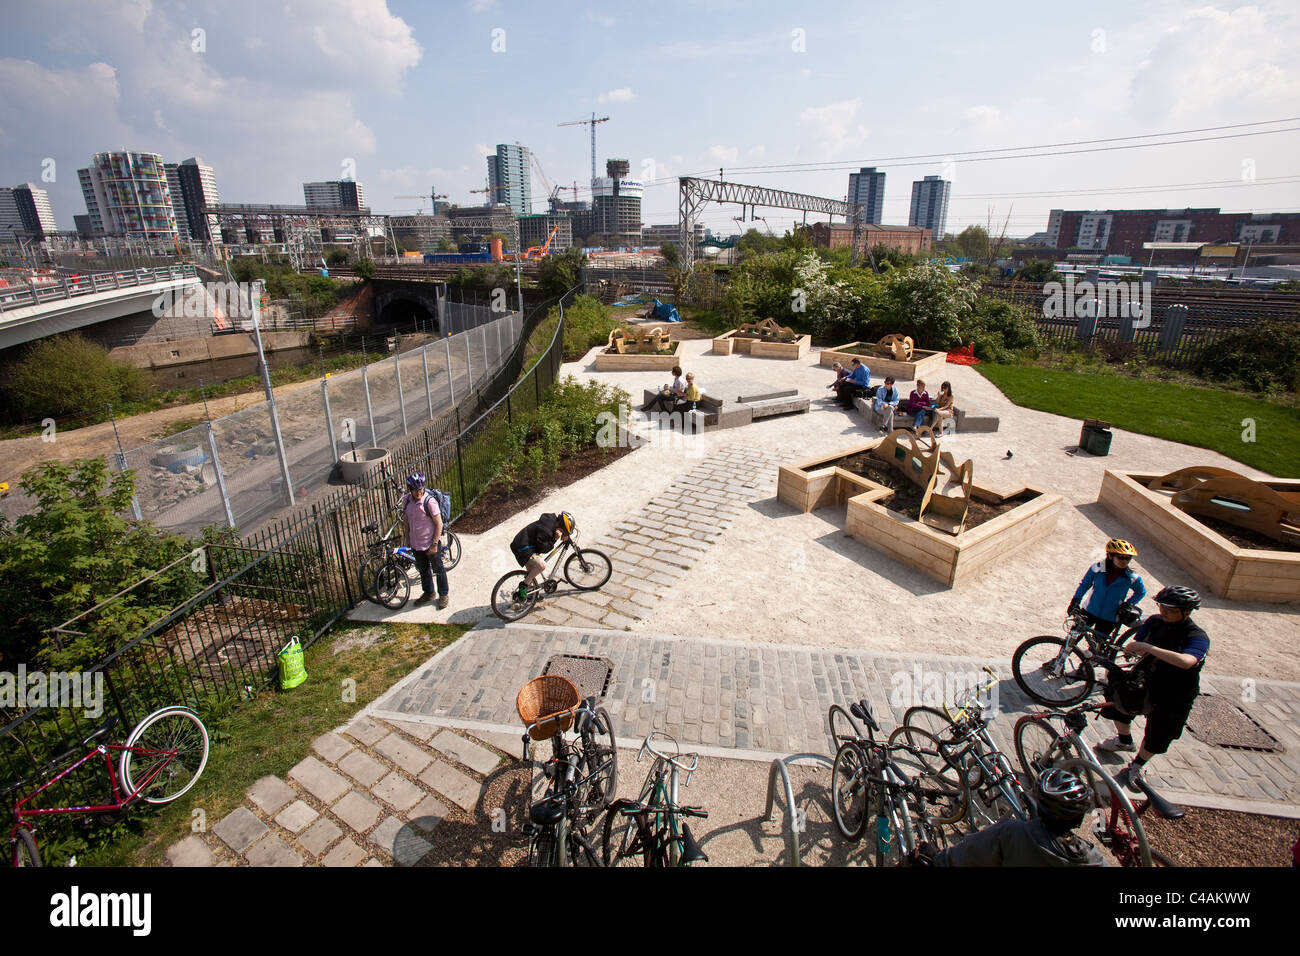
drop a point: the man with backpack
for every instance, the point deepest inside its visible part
(422, 519)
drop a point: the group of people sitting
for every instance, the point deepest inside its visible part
(678, 397)
(850, 383)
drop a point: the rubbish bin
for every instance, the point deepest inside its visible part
(1095, 437)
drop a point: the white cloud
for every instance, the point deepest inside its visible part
(832, 128)
(621, 95)
(481, 6)
(357, 32)
(723, 154)
(482, 149)
(757, 152)
(983, 117)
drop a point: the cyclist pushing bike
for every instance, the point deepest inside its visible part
(1173, 650)
(531, 545)
(1110, 582)
(422, 521)
(1044, 840)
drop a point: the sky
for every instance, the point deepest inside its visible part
(407, 96)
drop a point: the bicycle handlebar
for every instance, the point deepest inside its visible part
(971, 697)
(577, 709)
(674, 759)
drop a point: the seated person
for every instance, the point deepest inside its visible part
(858, 382)
(885, 404)
(690, 396)
(1044, 840)
(841, 373)
(919, 403)
(668, 394)
(942, 410)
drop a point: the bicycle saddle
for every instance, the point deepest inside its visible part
(1162, 806)
(370, 528)
(691, 852)
(862, 711)
(547, 811)
(101, 730)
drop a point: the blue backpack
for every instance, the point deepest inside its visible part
(444, 503)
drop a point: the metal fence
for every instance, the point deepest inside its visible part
(231, 470)
(293, 578)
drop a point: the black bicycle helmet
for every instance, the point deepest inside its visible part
(1062, 797)
(416, 481)
(1129, 614)
(1183, 598)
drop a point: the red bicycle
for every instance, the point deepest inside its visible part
(161, 759)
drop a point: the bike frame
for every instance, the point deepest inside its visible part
(1099, 645)
(564, 784)
(664, 835)
(120, 799)
(996, 769)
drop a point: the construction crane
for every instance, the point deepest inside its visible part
(552, 191)
(539, 252)
(420, 208)
(592, 123)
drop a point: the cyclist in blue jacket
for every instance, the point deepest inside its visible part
(1110, 581)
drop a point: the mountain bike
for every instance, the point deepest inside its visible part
(582, 775)
(378, 556)
(1058, 671)
(585, 569)
(649, 827)
(890, 781)
(960, 751)
(1115, 821)
(161, 760)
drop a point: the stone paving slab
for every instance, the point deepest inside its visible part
(319, 780)
(272, 851)
(478, 759)
(271, 793)
(296, 816)
(240, 829)
(773, 699)
(191, 851)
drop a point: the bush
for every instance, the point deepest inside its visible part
(999, 328)
(560, 272)
(70, 375)
(564, 424)
(1264, 357)
(586, 324)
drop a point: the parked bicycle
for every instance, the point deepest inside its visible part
(959, 749)
(162, 758)
(581, 775)
(1054, 739)
(384, 567)
(585, 569)
(1058, 672)
(888, 781)
(650, 828)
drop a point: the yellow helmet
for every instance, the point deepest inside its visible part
(1120, 546)
(566, 522)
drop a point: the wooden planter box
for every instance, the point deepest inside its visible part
(1238, 574)
(949, 559)
(725, 344)
(925, 364)
(632, 362)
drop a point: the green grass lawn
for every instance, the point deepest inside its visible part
(273, 732)
(1205, 417)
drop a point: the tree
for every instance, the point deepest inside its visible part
(365, 269)
(70, 375)
(891, 256)
(336, 257)
(672, 257)
(446, 245)
(929, 303)
(74, 551)
(973, 242)
(560, 271)
(1038, 271)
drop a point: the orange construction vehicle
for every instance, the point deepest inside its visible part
(539, 252)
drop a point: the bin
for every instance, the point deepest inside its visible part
(1095, 437)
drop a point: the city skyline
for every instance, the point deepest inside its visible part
(269, 104)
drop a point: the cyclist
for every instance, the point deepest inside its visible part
(531, 545)
(1173, 650)
(1111, 582)
(1044, 840)
(422, 521)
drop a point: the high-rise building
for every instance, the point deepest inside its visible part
(616, 204)
(1125, 231)
(510, 179)
(930, 205)
(11, 220)
(26, 208)
(335, 194)
(867, 187)
(127, 194)
(193, 186)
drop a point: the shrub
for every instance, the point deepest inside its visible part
(70, 375)
(560, 272)
(1264, 356)
(564, 424)
(999, 328)
(586, 324)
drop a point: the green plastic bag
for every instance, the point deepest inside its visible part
(293, 668)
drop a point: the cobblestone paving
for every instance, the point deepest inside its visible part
(656, 546)
(372, 793)
(770, 700)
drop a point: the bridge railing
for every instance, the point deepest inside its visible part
(67, 287)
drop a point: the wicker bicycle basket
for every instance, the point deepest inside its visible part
(548, 701)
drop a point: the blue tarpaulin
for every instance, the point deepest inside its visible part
(668, 313)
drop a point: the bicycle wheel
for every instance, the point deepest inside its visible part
(600, 761)
(1120, 831)
(931, 720)
(1039, 746)
(580, 850)
(392, 586)
(542, 849)
(587, 569)
(165, 755)
(843, 726)
(24, 850)
(450, 547)
(369, 569)
(851, 791)
(1050, 676)
(945, 791)
(506, 602)
(621, 844)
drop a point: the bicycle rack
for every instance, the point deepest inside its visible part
(779, 764)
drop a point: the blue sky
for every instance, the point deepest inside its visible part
(415, 93)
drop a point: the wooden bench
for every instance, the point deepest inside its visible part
(966, 420)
